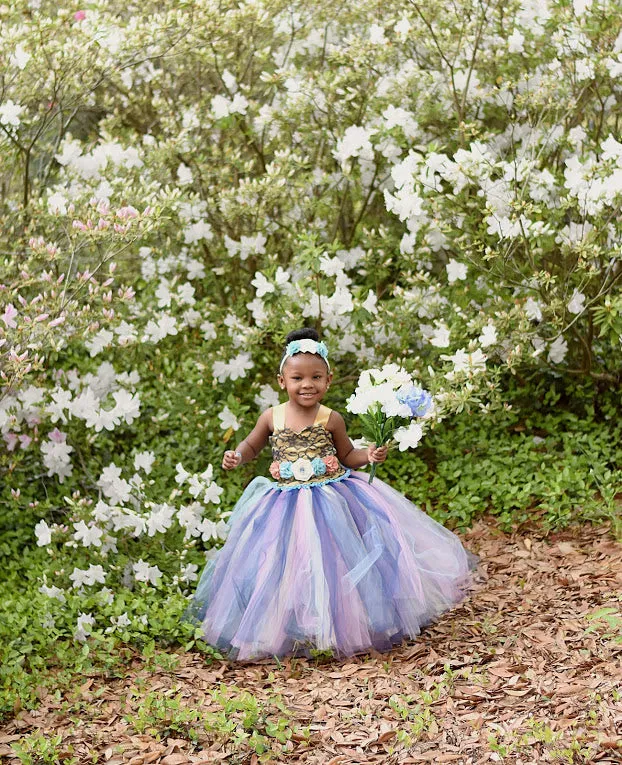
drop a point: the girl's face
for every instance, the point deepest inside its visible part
(306, 379)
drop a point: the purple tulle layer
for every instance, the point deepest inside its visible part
(345, 566)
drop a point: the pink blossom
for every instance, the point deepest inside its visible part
(25, 441)
(79, 15)
(78, 224)
(57, 436)
(11, 441)
(119, 228)
(57, 321)
(8, 317)
(127, 212)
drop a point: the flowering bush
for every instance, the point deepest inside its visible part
(182, 184)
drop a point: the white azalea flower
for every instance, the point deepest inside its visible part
(576, 303)
(228, 419)
(558, 350)
(456, 271)
(408, 438)
(144, 461)
(88, 535)
(43, 533)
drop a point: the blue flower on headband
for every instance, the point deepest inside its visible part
(293, 347)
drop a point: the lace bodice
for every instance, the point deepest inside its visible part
(300, 453)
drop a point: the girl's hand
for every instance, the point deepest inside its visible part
(231, 460)
(377, 453)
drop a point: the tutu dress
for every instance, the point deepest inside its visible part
(325, 561)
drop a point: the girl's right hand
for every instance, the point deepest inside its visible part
(231, 460)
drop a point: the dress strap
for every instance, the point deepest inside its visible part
(278, 417)
(323, 415)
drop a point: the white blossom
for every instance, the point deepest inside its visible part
(576, 303)
(43, 533)
(408, 437)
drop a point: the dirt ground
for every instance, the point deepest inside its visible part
(527, 670)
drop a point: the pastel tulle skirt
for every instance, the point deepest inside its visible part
(344, 566)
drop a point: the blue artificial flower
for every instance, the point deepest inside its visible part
(419, 401)
(322, 350)
(319, 466)
(293, 347)
(285, 469)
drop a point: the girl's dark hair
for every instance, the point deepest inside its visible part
(305, 333)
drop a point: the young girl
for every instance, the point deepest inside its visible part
(320, 558)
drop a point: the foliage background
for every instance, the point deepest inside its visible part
(182, 184)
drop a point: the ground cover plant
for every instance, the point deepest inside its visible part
(182, 183)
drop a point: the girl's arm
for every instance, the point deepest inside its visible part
(250, 447)
(346, 453)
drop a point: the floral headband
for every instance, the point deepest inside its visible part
(305, 346)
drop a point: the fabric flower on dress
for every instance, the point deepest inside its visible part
(318, 465)
(332, 463)
(285, 470)
(302, 469)
(275, 470)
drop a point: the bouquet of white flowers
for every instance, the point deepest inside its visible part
(389, 403)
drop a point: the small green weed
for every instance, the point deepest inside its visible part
(162, 716)
(40, 749)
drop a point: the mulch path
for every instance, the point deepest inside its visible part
(528, 670)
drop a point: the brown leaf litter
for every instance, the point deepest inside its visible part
(527, 670)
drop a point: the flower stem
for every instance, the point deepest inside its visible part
(372, 472)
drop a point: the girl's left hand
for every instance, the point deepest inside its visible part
(377, 453)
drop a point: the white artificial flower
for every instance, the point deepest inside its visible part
(455, 271)
(144, 461)
(577, 302)
(43, 533)
(302, 469)
(409, 437)
(228, 419)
